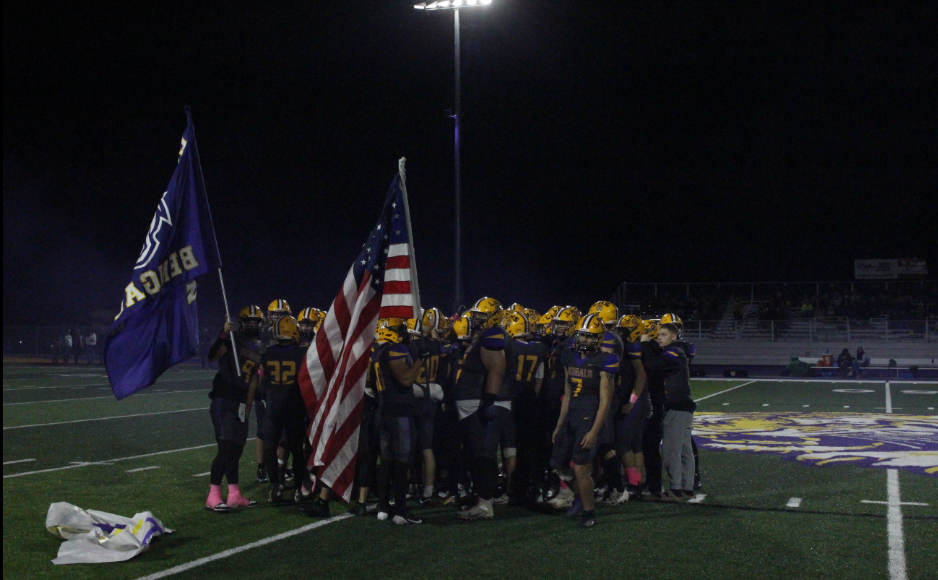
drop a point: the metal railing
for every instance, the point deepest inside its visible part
(814, 330)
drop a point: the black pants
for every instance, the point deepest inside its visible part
(286, 415)
(524, 409)
(651, 447)
(548, 412)
(368, 445)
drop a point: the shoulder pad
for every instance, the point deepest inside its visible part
(493, 338)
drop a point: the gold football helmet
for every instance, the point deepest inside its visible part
(607, 312)
(433, 320)
(250, 319)
(276, 309)
(589, 333)
(565, 320)
(390, 330)
(461, 328)
(286, 328)
(675, 320)
(516, 324)
(310, 319)
(515, 307)
(486, 313)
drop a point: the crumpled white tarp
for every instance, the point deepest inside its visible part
(94, 537)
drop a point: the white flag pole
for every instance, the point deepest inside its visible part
(414, 284)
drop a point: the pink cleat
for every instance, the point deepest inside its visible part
(214, 501)
(235, 499)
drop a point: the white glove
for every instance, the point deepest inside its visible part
(241, 408)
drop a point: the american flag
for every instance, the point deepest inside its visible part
(333, 380)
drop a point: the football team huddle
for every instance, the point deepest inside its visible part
(489, 407)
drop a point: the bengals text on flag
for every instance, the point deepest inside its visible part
(333, 380)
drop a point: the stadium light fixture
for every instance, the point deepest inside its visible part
(456, 6)
(451, 4)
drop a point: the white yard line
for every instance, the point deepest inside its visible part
(18, 461)
(143, 469)
(897, 569)
(794, 502)
(202, 474)
(106, 397)
(726, 391)
(227, 553)
(106, 461)
(31, 388)
(105, 418)
(900, 503)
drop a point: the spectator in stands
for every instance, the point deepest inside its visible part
(844, 362)
(91, 347)
(862, 360)
(78, 342)
(66, 346)
(56, 348)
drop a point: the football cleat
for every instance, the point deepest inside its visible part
(406, 518)
(672, 496)
(382, 514)
(359, 510)
(287, 473)
(276, 493)
(613, 497)
(480, 511)
(316, 509)
(262, 475)
(588, 521)
(297, 496)
(219, 508)
(562, 500)
(501, 500)
(576, 508)
(624, 497)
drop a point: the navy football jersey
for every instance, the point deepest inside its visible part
(555, 375)
(280, 365)
(523, 360)
(584, 374)
(227, 383)
(395, 398)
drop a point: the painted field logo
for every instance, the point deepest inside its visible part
(897, 441)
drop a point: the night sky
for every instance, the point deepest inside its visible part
(602, 142)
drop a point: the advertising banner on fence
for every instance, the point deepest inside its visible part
(912, 269)
(876, 269)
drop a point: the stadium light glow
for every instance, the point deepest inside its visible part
(451, 4)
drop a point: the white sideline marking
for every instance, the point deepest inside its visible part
(920, 392)
(765, 404)
(806, 406)
(900, 503)
(93, 398)
(725, 404)
(107, 461)
(794, 502)
(104, 418)
(726, 391)
(846, 406)
(143, 469)
(931, 408)
(202, 474)
(698, 498)
(18, 461)
(221, 555)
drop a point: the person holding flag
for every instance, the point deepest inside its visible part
(381, 282)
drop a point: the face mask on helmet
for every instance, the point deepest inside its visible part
(586, 341)
(250, 327)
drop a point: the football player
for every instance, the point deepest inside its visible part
(232, 396)
(309, 321)
(286, 412)
(670, 362)
(608, 313)
(478, 385)
(448, 449)
(368, 442)
(588, 390)
(691, 351)
(551, 397)
(634, 406)
(427, 390)
(651, 439)
(396, 367)
(524, 359)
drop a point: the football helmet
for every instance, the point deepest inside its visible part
(646, 327)
(675, 320)
(626, 325)
(390, 330)
(607, 312)
(461, 328)
(412, 327)
(250, 319)
(486, 313)
(589, 333)
(276, 309)
(286, 328)
(516, 325)
(553, 311)
(566, 319)
(543, 325)
(532, 315)
(433, 319)
(309, 320)
(515, 307)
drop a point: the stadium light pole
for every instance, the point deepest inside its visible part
(455, 6)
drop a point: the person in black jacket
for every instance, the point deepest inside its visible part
(678, 455)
